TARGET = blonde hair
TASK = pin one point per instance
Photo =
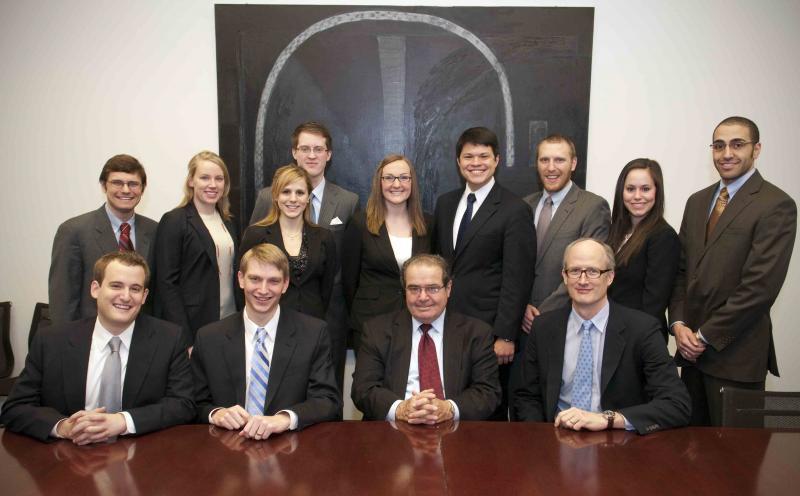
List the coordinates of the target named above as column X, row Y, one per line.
column 223, row 204
column 376, row 208
column 283, row 177
column 267, row 254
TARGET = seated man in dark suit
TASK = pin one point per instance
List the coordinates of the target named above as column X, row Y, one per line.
column 81, row 240
column 266, row 369
column 122, row 372
column 425, row 365
column 597, row 365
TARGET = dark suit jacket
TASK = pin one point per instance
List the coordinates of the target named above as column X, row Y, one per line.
column 370, row 275
column 726, row 286
column 79, row 242
column 493, row 267
column 580, row 214
column 645, row 282
column 470, row 366
column 637, row 379
column 187, row 280
column 311, row 292
column 157, row 391
column 300, row 376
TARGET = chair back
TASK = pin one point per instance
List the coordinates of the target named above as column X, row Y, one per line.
column 41, row 318
column 6, row 353
column 766, row 409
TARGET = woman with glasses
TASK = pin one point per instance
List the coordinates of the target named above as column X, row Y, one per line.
column 379, row 240
column 647, row 248
column 311, row 249
column 196, row 251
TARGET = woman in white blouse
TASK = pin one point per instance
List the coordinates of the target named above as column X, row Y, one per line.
column 196, row 250
column 378, row 241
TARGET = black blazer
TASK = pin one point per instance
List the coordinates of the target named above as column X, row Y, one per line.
column 637, row 378
column 370, row 275
column 157, row 392
column 300, row 376
column 471, row 377
column 494, row 265
column 187, row 279
column 646, row 282
column 310, row 293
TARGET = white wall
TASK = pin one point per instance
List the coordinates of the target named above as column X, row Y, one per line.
column 86, row 79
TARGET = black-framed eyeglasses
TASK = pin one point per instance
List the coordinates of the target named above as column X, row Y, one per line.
column 591, row 272
column 119, row 184
column 305, row 150
column 735, row 145
column 417, row 290
column 389, row 178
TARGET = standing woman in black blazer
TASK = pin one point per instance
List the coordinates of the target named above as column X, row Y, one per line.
column 379, row 240
column 196, row 250
column 311, row 249
column 648, row 249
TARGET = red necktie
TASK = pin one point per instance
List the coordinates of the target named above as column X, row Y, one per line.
column 429, row 377
column 125, row 237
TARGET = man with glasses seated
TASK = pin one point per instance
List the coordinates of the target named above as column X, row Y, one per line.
column 82, row 240
column 596, row 365
column 425, row 364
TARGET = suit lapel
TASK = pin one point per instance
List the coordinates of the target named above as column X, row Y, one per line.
column 453, row 343
column 197, row 224
column 447, row 219
column 401, row 352
column 385, row 251
column 285, row 343
column 330, row 199
column 562, row 214
column 143, row 347
column 479, row 218
column 555, row 354
column 76, row 364
column 104, row 233
column 234, row 354
column 612, row 349
column 142, row 246
column 737, row 205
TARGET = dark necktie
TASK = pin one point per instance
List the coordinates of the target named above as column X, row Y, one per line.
column 429, row 377
column 462, row 228
column 544, row 222
column 125, row 237
column 111, row 379
column 719, row 206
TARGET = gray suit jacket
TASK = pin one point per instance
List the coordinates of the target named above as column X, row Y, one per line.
column 726, row 286
column 79, row 242
column 581, row 214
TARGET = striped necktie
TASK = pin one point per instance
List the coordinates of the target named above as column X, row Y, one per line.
column 259, row 375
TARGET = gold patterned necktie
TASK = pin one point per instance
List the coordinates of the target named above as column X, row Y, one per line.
column 719, row 207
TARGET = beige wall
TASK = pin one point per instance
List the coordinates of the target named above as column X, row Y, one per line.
column 84, row 80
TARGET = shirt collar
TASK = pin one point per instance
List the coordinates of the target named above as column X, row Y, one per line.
column 101, row 336
column 437, row 325
column 116, row 222
column 737, row 183
column 317, row 192
column 481, row 193
column 251, row 327
column 559, row 195
column 600, row 319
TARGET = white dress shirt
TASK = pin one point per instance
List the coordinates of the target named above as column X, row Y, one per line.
column 480, row 195
column 402, row 248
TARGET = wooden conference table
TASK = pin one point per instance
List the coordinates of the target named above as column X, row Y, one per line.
column 355, row 458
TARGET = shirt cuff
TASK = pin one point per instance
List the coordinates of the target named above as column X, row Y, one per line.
column 628, row 425
column 700, row 335
column 130, row 427
column 292, row 419
column 211, row 414
column 391, row 415
column 455, row 409
column 670, row 330
column 54, row 430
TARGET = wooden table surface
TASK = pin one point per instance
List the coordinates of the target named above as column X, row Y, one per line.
column 380, row 458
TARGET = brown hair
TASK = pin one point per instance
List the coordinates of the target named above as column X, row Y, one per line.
column 755, row 136
column 128, row 258
column 557, row 138
column 312, row 127
column 267, row 254
column 223, row 204
column 283, row 177
column 123, row 163
column 376, row 206
column 429, row 260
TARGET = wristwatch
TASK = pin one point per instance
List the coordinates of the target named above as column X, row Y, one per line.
column 609, row 415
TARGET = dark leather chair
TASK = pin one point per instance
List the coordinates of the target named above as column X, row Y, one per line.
column 41, row 318
column 6, row 353
column 765, row 409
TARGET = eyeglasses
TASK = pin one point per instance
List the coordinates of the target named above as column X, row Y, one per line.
column 118, row 184
column 389, row 178
column 735, row 145
column 306, row 150
column 417, row 290
column 591, row 272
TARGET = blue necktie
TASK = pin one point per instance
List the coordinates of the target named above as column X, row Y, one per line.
column 582, row 381
column 462, row 228
column 259, row 375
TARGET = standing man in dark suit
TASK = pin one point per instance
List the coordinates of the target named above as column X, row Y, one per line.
column 425, row 365
column 485, row 233
column 597, row 365
column 331, row 207
column 737, row 238
column 266, row 369
column 80, row 241
column 122, row 372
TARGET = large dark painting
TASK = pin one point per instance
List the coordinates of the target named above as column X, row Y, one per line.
column 398, row 80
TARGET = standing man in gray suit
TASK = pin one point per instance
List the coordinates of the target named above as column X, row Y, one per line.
column 82, row 240
column 737, row 236
column 563, row 212
column 331, row 208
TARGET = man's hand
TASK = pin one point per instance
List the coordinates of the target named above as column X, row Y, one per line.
column 577, row 419
column 65, row 427
column 412, row 409
column 531, row 312
column 261, row 427
column 97, row 427
column 504, row 351
column 689, row 345
column 232, row 418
